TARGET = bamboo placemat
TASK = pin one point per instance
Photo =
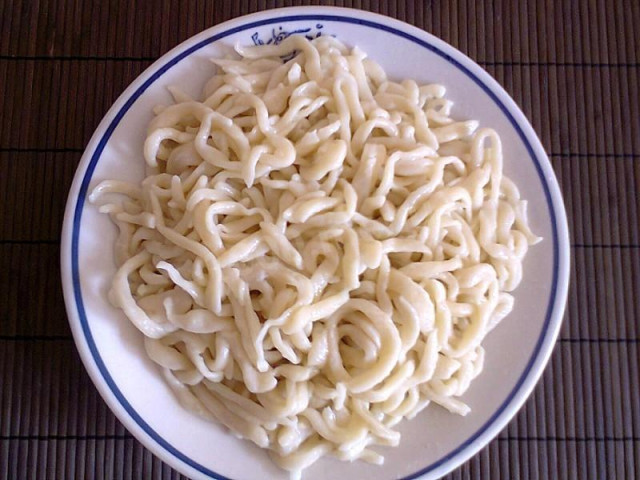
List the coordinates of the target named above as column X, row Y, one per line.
column 573, row 66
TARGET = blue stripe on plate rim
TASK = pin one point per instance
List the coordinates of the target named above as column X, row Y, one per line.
column 77, row 216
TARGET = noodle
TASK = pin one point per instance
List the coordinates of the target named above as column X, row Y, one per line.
column 317, row 252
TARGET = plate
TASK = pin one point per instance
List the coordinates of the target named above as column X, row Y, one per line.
column 112, row 350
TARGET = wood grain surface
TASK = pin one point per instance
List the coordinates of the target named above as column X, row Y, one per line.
column 573, row 67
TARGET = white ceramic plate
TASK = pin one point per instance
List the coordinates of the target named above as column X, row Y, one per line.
column 111, row 348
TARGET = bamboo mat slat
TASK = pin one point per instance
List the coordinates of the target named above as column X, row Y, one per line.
column 573, row 67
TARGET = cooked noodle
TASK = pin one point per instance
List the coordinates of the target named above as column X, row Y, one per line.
column 317, row 252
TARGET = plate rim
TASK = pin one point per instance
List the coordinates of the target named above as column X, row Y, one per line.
column 76, row 201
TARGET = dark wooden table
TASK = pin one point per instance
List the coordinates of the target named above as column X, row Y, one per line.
column 573, row 66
